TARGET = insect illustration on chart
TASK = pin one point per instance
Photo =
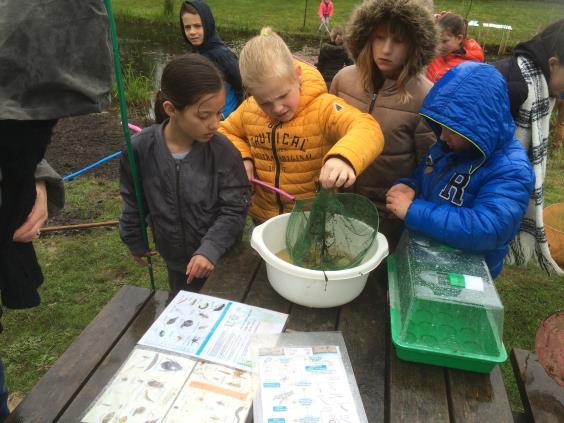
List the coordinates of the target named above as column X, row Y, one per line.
column 187, row 323
column 281, row 398
column 139, row 410
column 153, row 361
column 155, row 384
column 171, row 365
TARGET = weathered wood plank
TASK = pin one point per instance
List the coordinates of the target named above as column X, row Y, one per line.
column 307, row 319
column 363, row 324
column 417, row 392
column 542, row 397
column 116, row 357
column 263, row 295
column 235, row 271
column 477, row 397
column 56, row 389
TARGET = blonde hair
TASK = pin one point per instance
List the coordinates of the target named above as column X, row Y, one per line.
column 263, row 57
column 369, row 72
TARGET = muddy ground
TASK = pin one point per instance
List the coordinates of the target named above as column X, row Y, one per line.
column 80, row 141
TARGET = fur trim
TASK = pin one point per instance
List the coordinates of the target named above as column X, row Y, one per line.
column 413, row 13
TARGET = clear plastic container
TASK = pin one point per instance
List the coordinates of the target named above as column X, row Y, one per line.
column 444, row 306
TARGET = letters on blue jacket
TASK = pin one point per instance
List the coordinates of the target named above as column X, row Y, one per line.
column 471, row 201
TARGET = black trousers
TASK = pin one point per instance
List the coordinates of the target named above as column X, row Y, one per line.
column 177, row 282
column 22, row 146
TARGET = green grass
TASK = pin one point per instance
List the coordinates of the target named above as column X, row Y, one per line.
column 287, row 16
column 82, row 272
column 139, row 89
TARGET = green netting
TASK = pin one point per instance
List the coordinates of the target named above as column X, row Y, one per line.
column 332, row 231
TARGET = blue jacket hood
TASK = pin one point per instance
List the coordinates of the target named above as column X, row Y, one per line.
column 471, row 100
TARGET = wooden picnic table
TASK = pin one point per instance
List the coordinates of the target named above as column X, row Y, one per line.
column 391, row 390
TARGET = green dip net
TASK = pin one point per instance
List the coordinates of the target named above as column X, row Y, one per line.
column 332, row 231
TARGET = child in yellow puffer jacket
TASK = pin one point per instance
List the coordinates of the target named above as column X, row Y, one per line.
column 291, row 132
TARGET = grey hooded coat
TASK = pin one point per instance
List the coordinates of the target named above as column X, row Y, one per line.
column 55, row 58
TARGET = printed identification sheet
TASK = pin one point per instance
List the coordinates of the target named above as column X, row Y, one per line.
column 143, row 389
column 211, row 328
column 214, row 394
column 160, row 387
column 304, row 384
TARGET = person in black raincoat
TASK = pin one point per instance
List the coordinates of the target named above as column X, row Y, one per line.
column 55, row 61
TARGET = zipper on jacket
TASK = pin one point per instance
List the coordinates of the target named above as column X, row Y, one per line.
column 177, row 166
column 372, row 102
column 277, row 161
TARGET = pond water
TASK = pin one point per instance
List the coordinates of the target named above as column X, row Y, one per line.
column 147, row 47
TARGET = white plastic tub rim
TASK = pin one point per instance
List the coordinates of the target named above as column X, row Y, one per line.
column 312, row 288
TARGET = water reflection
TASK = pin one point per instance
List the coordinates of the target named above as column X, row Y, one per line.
column 147, row 47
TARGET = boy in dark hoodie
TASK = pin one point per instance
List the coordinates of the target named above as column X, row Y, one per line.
column 535, row 78
column 472, row 189
column 197, row 26
column 333, row 56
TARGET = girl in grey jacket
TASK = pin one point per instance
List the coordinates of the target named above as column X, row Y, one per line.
column 194, row 185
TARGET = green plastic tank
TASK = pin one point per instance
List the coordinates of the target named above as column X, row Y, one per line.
column 444, row 306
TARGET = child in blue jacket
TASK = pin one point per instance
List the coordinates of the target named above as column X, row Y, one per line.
column 472, row 189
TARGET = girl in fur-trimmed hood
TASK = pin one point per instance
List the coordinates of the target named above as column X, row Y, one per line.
column 391, row 42
column 408, row 20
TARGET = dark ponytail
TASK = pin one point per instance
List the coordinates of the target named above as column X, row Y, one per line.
column 185, row 80
column 552, row 38
column 453, row 23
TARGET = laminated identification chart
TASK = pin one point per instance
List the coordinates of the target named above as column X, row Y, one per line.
column 155, row 386
column 143, row 389
column 213, row 393
column 304, row 384
column 211, row 328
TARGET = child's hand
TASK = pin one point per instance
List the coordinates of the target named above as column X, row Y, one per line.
column 406, row 189
column 141, row 259
column 398, row 203
column 30, row 229
column 336, row 173
column 249, row 168
column 199, row 267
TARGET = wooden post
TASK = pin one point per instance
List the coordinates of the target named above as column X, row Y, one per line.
column 305, row 14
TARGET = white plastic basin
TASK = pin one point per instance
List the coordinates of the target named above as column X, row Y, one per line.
column 310, row 287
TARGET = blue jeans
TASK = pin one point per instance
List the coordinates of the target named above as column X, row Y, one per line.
column 3, row 396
